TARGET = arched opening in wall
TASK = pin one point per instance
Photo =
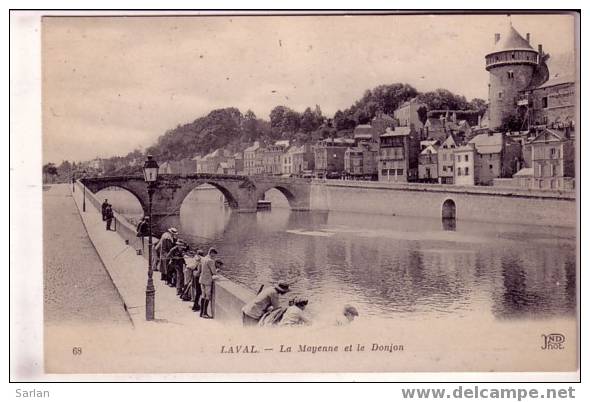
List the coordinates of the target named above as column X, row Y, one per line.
column 276, row 197
column 123, row 201
column 449, row 215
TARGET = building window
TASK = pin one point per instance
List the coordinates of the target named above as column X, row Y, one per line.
column 400, row 172
column 444, row 168
column 552, row 151
column 544, row 102
column 500, row 95
column 491, row 167
column 510, row 74
column 451, row 169
column 513, row 55
column 458, row 171
column 466, row 171
column 458, row 158
column 466, row 158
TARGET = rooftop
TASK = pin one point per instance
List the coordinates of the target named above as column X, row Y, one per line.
column 488, row 143
column 558, row 80
column 399, row 131
column 430, row 149
column 524, row 172
column 511, row 40
column 252, row 148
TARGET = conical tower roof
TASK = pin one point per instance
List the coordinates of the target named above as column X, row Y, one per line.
column 511, row 40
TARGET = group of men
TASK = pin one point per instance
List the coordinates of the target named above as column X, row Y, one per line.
column 265, row 309
column 191, row 273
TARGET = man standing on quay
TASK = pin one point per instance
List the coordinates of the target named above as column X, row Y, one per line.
column 163, row 247
column 208, row 275
column 104, row 206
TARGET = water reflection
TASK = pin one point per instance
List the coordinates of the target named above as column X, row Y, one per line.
column 391, row 266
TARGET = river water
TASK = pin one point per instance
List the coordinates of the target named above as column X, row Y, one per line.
column 387, row 266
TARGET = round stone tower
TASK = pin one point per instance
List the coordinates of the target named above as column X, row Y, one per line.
column 512, row 64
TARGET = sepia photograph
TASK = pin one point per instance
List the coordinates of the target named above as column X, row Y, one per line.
column 291, row 192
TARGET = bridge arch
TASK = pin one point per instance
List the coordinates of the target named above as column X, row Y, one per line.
column 288, row 193
column 188, row 188
column 96, row 187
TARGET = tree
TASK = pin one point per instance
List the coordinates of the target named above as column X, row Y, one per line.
column 49, row 172
column 249, row 126
column 443, row 99
column 284, row 120
column 342, row 121
column 422, row 114
column 478, row 104
column 308, row 121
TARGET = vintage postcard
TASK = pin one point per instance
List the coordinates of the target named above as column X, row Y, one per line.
column 337, row 193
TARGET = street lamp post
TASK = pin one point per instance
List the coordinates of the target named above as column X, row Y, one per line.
column 73, row 181
column 84, row 191
column 150, row 174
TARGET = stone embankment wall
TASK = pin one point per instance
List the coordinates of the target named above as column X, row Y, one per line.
column 472, row 203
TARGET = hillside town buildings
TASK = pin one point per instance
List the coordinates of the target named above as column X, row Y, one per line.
column 428, row 164
column 446, row 160
column 398, row 155
column 450, row 147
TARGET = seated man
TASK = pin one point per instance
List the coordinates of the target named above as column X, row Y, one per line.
column 294, row 314
column 267, row 299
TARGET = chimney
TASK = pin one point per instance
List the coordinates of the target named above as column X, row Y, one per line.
column 496, row 38
column 528, row 37
column 540, row 51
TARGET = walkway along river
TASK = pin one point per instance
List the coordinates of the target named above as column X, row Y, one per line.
column 388, row 266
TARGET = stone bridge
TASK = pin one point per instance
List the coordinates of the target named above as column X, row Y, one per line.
column 241, row 192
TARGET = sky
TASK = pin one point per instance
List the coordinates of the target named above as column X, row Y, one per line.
column 114, row 84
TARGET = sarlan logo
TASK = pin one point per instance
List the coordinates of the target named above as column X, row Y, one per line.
column 553, row 342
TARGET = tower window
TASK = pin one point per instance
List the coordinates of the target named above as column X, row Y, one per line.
column 513, row 55
column 510, row 74
column 544, row 102
column 500, row 95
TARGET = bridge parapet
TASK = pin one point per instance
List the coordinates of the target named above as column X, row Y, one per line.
column 241, row 192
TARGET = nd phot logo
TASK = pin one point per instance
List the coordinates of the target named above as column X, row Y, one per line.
column 553, row 341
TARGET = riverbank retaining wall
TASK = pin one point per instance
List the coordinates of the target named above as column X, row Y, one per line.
column 471, row 203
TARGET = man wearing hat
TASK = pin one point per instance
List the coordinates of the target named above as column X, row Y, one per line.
column 267, row 299
column 163, row 247
column 208, row 274
column 176, row 265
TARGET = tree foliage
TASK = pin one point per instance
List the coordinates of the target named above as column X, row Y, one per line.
column 231, row 129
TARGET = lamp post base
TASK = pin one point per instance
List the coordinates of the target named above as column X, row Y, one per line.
column 150, row 301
